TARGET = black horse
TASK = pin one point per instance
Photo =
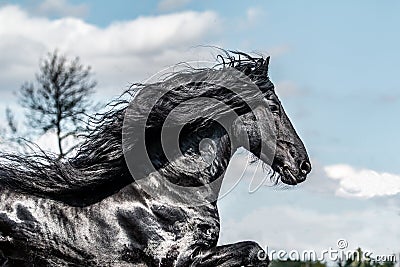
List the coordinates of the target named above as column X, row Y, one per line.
column 135, row 196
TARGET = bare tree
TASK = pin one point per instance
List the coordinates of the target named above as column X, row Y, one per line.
column 60, row 98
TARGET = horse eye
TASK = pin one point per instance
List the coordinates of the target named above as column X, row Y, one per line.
column 274, row 108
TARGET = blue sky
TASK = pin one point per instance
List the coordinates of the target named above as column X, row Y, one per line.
column 335, row 66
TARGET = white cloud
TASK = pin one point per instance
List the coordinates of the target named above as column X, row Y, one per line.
column 363, row 183
column 168, row 5
column 120, row 54
column 61, row 8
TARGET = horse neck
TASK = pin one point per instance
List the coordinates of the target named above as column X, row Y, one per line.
column 205, row 154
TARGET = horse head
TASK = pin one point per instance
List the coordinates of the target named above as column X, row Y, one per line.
column 272, row 137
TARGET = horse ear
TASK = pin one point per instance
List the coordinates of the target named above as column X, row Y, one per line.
column 264, row 67
column 267, row 61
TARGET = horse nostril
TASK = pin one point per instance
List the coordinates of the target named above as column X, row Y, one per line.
column 305, row 167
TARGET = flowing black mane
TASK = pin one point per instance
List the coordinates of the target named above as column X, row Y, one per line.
column 99, row 168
